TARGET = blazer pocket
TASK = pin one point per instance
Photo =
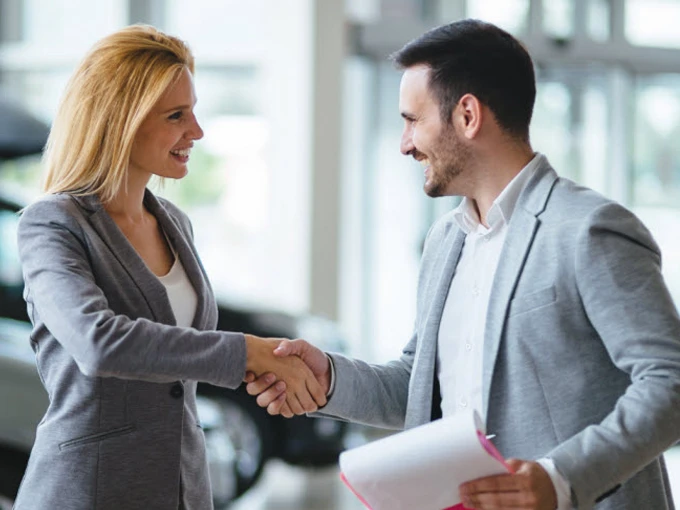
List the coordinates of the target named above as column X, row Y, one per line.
column 527, row 302
column 95, row 438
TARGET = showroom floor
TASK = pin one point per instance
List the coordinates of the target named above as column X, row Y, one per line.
column 283, row 487
column 286, row 488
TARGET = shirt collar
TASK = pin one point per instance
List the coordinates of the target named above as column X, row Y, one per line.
column 502, row 208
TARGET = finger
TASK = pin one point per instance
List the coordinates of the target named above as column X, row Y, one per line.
column 278, row 405
column 260, row 384
column 306, row 400
column 498, row 501
column 316, row 392
column 250, row 377
column 271, row 394
column 294, row 403
column 285, row 410
column 496, row 483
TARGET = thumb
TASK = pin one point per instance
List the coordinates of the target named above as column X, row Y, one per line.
column 514, row 464
column 285, row 348
column 290, row 348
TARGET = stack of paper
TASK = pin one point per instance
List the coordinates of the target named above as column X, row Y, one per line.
column 423, row 467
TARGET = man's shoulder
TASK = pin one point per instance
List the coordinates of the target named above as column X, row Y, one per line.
column 571, row 200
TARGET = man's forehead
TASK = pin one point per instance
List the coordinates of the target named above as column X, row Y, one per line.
column 416, row 75
column 414, row 86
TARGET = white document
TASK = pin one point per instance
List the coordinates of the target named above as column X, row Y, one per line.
column 422, row 468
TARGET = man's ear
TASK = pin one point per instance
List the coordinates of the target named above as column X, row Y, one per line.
column 468, row 116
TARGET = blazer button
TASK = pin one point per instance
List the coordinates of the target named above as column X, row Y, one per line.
column 177, row 391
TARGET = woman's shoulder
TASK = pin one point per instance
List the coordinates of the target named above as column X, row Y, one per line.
column 51, row 207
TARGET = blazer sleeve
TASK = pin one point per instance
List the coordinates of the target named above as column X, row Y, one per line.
column 371, row 394
column 618, row 268
column 64, row 297
column 377, row 394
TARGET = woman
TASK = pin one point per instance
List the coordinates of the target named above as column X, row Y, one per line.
column 123, row 314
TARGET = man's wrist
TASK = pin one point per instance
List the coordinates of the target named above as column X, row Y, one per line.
column 560, row 484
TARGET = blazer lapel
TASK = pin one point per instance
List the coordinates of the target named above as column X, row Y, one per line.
column 187, row 256
column 425, row 362
column 149, row 285
column 521, row 232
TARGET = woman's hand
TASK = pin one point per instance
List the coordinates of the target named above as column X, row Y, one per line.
column 303, row 392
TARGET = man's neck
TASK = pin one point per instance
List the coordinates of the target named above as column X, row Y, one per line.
column 495, row 173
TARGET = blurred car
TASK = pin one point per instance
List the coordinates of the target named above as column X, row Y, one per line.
column 240, row 436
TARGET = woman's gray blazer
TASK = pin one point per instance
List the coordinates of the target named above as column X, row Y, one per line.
column 121, row 431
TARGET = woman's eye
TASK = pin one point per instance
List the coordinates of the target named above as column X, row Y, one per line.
column 175, row 116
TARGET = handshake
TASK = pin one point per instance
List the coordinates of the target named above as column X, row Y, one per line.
column 289, row 377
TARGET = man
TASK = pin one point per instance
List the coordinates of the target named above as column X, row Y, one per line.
column 540, row 303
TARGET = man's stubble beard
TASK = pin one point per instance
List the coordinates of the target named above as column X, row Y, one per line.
column 452, row 162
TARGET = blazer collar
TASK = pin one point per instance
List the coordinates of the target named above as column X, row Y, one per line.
column 521, row 233
column 149, row 285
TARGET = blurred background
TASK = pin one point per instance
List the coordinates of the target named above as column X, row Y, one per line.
column 301, row 202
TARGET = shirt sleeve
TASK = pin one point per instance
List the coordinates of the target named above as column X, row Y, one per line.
column 561, row 485
column 331, row 386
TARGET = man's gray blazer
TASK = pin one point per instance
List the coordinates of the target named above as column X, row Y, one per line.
column 121, row 431
column 581, row 353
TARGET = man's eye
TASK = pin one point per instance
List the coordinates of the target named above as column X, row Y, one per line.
column 175, row 116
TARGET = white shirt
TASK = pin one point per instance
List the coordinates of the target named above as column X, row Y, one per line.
column 460, row 344
column 181, row 293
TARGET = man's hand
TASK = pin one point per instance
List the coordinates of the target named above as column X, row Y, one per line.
column 302, row 392
column 530, row 487
column 271, row 394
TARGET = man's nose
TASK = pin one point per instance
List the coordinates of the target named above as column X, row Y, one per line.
column 406, row 146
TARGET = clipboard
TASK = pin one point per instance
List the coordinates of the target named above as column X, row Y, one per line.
column 422, row 467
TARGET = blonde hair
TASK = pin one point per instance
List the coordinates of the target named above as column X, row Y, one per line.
column 110, row 94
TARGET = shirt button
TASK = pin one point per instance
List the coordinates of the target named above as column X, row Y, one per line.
column 468, row 347
column 463, row 402
column 177, row 390
column 475, row 291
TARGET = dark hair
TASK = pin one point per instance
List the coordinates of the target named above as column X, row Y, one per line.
column 471, row 56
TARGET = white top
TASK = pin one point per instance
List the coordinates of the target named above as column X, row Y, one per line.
column 461, row 331
column 460, row 345
column 181, row 294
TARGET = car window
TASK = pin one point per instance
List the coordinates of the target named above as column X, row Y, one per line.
column 12, row 304
column 10, row 269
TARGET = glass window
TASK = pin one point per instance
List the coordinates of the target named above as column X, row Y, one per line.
column 593, row 135
column 247, row 191
column 398, row 219
column 571, row 124
column 59, row 27
column 656, row 167
column 598, row 21
column 510, row 15
column 551, row 123
column 558, row 18
column 653, row 22
column 247, row 188
column 37, row 89
column 10, row 269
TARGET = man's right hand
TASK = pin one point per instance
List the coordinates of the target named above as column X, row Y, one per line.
column 271, row 394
